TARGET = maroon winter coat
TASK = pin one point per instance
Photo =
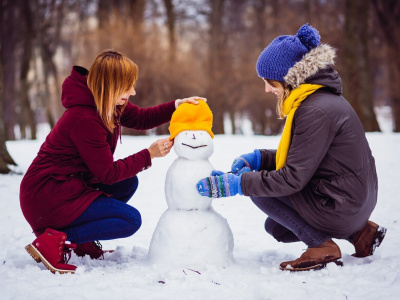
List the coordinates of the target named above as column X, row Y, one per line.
column 79, row 150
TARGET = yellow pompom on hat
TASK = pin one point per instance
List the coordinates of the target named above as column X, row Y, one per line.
column 191, row 117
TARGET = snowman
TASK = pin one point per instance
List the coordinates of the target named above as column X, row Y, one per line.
column 190, row 233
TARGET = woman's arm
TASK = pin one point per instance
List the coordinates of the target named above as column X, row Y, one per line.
column 90, row 138
column 146, row 118
column 268, row 159
column 311, row 139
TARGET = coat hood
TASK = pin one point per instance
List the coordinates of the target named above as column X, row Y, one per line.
column 75, row 91
column 316, row 67
column 329, row 78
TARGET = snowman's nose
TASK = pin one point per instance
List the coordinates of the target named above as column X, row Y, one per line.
column 194, row 137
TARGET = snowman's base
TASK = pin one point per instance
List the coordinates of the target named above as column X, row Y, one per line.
column 192, row 239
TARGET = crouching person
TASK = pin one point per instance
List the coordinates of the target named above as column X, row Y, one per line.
column 74, row 189
column 321, row 182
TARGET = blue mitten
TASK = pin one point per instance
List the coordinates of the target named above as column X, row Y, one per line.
column 224, row 185
column 217, row 173
column 247, row 162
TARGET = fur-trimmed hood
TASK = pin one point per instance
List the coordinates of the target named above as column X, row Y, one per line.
column 313, row 63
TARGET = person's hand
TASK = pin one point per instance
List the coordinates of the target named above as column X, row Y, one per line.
column 247, row 162
column 160, row 147
column 224, row 185
column 192, row 100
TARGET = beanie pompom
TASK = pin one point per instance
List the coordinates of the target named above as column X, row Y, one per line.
column 308, row 36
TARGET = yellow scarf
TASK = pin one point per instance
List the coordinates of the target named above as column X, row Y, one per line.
column 291, row 103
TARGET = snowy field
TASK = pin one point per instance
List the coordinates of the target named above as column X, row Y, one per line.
column 126, row 274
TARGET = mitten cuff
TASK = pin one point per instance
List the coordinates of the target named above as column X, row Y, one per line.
column 239, row 185
column 258, row 160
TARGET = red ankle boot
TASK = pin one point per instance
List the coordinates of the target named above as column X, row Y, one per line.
column 50, row 249
column 93, row 249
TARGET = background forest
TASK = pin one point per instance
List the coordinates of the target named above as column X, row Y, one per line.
column 183, row 48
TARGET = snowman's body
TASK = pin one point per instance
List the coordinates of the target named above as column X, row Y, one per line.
column 181, row 194
column 190, row 233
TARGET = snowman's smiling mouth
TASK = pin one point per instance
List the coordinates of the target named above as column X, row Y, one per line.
column 194, row 147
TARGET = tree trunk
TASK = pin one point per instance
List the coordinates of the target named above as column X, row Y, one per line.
column 27, row 116
column 47, row 93
column 136, row 13
column 388, row 14
column 8, row 56
column 358, row 79
column 217, row 58
column 169, row 6
column 103, row 15
column 5, row 158
column 393, row 85
column 49, row 20
column 308, row 10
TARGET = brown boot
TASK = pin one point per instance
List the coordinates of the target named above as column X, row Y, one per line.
column 315, row 258
column 367, row 239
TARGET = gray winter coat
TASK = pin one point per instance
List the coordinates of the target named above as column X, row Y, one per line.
column 330, row 172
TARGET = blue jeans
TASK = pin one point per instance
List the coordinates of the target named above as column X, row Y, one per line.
column 107, row 218
column 285, row 224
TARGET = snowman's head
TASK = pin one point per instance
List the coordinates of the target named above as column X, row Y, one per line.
column 194, row 144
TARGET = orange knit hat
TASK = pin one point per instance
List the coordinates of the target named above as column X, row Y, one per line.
column 191, row 117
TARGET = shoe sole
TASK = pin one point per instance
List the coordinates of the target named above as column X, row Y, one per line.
column 378, row 238
column 38, row 257
column 320, row 266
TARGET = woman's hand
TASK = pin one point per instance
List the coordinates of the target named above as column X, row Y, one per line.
column 247, row 162
column 160, row 148
column 192, row 100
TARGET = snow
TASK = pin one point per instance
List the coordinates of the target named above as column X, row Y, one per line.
column 126, row 273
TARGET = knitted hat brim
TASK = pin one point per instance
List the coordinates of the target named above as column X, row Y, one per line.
column 192, row 128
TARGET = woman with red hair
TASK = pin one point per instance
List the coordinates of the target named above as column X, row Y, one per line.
column 74, row 189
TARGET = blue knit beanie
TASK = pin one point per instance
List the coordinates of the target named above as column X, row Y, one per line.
column 284, row 51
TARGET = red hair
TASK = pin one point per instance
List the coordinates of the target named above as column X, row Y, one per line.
column 111, row 75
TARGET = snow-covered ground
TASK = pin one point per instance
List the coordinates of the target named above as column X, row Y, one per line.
column 126, row 274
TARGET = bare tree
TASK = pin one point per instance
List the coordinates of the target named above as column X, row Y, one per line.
column 217, row 63
column 8, row 38
column 357, row 75
column 388, row 14
column 136, row 10
column 171, row 20
column 104, row 10
column 206, row 48
column 262, row 106
column 27, row 115
column 5, row 158
column 49, row 19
